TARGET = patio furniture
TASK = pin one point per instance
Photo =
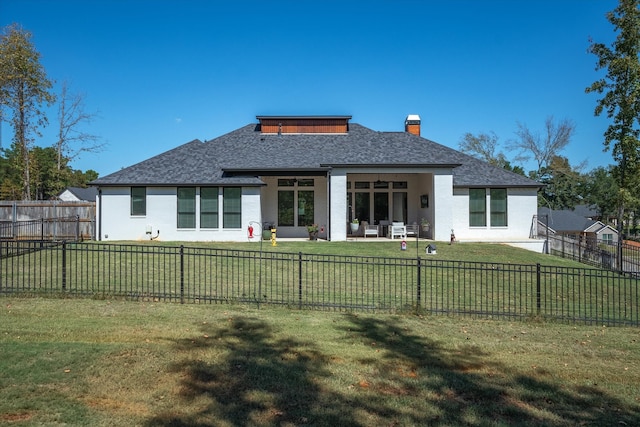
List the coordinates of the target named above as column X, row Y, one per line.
column 370, row 229
column 398, row 229
column 413, row 229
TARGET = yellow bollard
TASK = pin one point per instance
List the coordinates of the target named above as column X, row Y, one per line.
column 273, row 237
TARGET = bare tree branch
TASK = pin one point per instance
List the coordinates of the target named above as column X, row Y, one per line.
column 72, row 140
column 542, row 148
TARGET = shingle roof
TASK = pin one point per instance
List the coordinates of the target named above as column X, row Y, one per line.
column 246, row 151
column 564, row 220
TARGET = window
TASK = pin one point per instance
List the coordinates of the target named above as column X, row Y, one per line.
column 308, row 182
column 186, row 207
column 305, row 208
column 498, row 207
column 362, row 206
column 138, row 201
column 209, row 207
column 289, row 199
column 285, row 208
column 607, row 238
column 477, row 207
column 232, row 207
column 288, row 182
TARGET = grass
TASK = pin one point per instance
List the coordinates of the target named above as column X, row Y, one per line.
column 90, row 362
column 473, row 252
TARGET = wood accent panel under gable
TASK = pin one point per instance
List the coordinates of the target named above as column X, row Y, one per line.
column 304, row 125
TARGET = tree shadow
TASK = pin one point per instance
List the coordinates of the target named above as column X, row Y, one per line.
column 261, row 380
column 467, row 388
column 258, row 376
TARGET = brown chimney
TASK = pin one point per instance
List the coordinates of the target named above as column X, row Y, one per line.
column 412, row 124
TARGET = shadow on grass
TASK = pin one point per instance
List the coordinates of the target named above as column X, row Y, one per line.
column 260, row 378
column 467, row 388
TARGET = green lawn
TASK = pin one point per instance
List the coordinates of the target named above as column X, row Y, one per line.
column 112, row 362
column 480, row 252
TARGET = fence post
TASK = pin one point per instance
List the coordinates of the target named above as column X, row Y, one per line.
column 181, row 274
column 299, row 280
column 419, row 284
column 64, row 265
column 77, row 228
column 538, row 287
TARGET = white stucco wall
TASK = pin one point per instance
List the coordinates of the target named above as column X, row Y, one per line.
column 444, row 209
column 116, row 223
column 522, row 205
column 338, row 207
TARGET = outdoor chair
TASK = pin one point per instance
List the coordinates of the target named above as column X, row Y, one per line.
column 413, row 229
column 398, row 229
column 370, row 229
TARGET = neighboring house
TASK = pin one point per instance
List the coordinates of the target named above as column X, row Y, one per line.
column 79, row 194
column 574, row 224
column 293, row 171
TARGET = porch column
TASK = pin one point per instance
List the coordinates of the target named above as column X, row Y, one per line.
column 338, row 205
column 443, row 205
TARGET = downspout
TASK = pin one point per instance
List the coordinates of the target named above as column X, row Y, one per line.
column 99, row 237
column 328, row 230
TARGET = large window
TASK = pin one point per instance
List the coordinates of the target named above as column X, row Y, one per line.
column 362, row 206
column 138, row 201
column 305, row 208
column 232, row 207
column 209, row 207
column 498, row 207
column 295, row 206
column 285, row 208
column 186, row 207
column 477, row 207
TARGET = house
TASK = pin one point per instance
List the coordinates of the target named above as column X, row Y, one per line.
column 574, row 224
column 78, row 194
column 293, row 171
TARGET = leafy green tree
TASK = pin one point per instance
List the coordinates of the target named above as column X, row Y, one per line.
column 46, row 180
column 564, row 185
column 620, row 88
column 24, row 90
column 602, row 191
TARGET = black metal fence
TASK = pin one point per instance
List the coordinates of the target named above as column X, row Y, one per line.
column 327, row 282
column 618, row 256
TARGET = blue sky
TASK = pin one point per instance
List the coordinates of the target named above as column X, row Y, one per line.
column 164, row 72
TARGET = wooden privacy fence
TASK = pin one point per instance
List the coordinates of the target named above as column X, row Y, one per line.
column 47, row 220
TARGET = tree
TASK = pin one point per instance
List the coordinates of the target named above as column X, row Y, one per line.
column 72, row 141
column 543, row 148
column 24, row 89
column 564, row 185
column 483, row 146
column 601, row 191
column 621, row 99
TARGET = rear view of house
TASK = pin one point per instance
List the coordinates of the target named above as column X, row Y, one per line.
column 294, row 171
